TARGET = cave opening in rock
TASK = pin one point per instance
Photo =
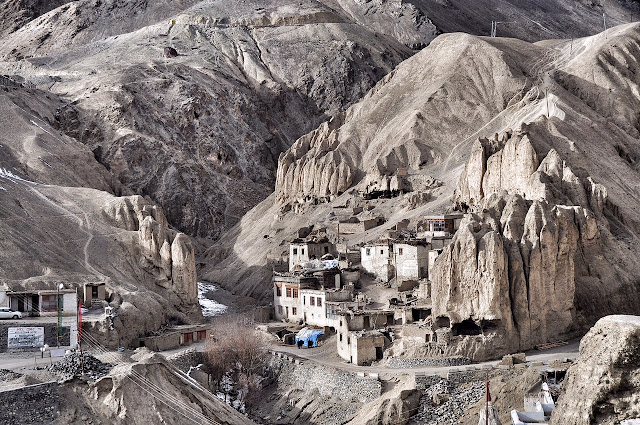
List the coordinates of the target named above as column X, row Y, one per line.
column 489, row 326
column 466, row 327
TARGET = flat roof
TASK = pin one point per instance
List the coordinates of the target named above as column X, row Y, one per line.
column 443, row 216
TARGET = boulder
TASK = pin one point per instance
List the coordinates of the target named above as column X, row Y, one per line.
column 603, row 385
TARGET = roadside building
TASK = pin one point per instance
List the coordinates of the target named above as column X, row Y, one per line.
column 376, row 258
column 43, row 302
column 94, row 294
column 31, row 332
column 176, row 336
column 361, row 337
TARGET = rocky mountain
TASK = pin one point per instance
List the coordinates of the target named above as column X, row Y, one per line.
column 133, row 121
column 247, row 82
column 537, row 143
column 200, row 132
column 61, row 222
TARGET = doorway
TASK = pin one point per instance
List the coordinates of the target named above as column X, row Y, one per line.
column 379, row 353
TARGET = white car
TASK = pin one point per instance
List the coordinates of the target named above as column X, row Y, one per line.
column 7, row 313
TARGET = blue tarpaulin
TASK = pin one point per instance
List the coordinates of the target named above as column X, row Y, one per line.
column 309, row 337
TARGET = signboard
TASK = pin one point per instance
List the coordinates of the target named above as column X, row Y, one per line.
column 26, row 337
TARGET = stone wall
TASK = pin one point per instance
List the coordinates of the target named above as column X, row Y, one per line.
column 34, row 404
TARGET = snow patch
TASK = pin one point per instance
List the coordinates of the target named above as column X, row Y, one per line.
column 6, row 174
column 209, row 307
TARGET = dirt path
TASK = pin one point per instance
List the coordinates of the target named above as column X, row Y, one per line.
column 326, row 355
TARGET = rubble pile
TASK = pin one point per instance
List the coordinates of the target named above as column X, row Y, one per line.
column 444, row 401
column 71, row 366
column 8, row 375
column 406, row 363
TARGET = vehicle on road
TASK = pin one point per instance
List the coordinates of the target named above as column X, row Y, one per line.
column 7, row 313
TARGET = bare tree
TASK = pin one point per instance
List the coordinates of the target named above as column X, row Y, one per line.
column 236, row 351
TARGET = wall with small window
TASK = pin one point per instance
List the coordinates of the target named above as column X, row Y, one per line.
column 377, row 260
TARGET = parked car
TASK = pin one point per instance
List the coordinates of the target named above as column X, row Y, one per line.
column 7, row 313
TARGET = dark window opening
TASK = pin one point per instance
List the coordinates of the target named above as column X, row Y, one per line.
column 443, row 322
column 326, row 249
column 420, row 313
column 295, row 251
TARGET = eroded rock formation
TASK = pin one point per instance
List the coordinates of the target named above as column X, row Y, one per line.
column 167, row 255
column 534, row 243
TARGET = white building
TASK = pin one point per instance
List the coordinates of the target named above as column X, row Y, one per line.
column 411, row 260
column 310, row 300
column 303, row 252
column 377, row 259
column 359, row 340
column 316, row 304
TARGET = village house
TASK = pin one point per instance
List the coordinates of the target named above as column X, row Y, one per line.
column 376, row 259
column 301, row 252
column 439, row 225
column 302, row 297
column 315, row 304
column 411, row 260
column 361, row 336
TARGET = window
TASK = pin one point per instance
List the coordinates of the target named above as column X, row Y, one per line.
column 294, row 310
column 326, row 249
column 49, row 303
column 302, row 251
column 340, row 337
column 348, row 340
column 289, row 292
column 381, row 251
column 399, row 251
column 295, row 251
column 368, row 251
column 304, row 300
column 319, row 301
column 295, row 293
column 439, row 225
column 278, row 291
column 312, row 300
column 279, row 309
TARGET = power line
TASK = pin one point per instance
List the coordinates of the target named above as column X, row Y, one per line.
column 150, row 388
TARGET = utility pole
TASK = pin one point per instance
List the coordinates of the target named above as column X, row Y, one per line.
column 79, row 323
column 58, row 287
